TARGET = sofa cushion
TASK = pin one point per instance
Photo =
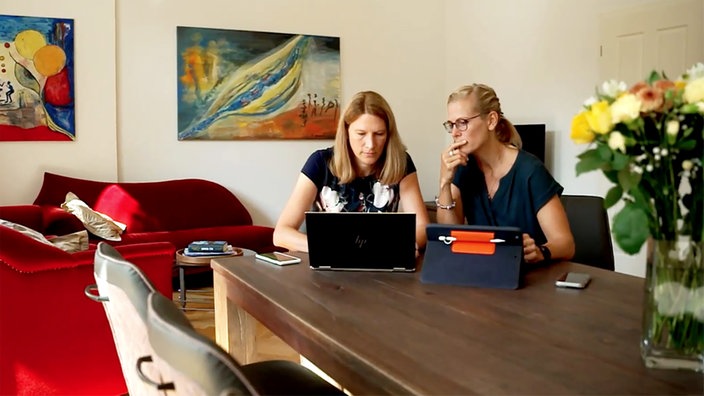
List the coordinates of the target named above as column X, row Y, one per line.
column 95, row 222
column 73, row 242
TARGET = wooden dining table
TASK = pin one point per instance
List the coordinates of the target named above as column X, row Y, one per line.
column 388, row 333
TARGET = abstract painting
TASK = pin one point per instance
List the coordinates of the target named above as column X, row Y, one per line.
column 36, row 79
column 235, row 84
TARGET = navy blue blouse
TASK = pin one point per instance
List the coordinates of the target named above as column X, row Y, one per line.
column 364, row 194
column 521, row 193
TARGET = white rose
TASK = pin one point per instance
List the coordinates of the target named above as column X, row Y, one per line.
column 613, row 88
column 696, row 71
column 673, row 127
column 589, row 102
column 617, row 141
column 687, row 165
column 694, row 91
column 625, row 108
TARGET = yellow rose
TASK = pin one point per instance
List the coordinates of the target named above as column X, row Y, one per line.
column 599, row 117
column 581, row 133
column 694, row 91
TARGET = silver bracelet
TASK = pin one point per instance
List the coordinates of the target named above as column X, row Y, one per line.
column 446, row 207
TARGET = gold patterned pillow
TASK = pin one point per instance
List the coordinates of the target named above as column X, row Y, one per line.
column 96, row 223
column 71, row 243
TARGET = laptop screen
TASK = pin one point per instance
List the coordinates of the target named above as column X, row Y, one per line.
column 361, row 241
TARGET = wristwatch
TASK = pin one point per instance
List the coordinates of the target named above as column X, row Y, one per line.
column 547, row 255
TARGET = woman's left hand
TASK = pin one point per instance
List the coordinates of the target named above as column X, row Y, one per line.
column 531, row 252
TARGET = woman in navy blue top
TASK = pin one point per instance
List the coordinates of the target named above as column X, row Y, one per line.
column 486, row 179
column 367, row 170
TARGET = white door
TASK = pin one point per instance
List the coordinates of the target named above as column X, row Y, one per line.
column 667, row 36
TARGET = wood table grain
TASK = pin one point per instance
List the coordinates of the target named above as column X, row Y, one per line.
column 387, row 333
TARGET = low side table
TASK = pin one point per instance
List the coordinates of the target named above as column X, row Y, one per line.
column 183, row 261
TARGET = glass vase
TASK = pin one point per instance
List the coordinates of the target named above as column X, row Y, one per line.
column 673, row 310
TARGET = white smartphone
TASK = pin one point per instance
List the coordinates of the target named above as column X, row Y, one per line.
column 576, row 280
column 278, row 258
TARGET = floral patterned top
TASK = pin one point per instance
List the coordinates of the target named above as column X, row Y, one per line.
column 364, row 194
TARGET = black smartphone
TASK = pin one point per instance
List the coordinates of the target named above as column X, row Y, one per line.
column 576, row 280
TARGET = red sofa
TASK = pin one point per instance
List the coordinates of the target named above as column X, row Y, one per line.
column 53, row 339
column 176, row 211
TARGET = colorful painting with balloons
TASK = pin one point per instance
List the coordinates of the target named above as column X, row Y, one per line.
column 36, row 79
column 236, row 84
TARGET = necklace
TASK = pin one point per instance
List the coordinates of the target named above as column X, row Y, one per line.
column 492, row 188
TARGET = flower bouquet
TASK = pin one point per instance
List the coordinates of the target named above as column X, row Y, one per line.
column 648, row 140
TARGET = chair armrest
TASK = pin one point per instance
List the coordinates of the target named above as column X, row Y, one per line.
column 27, row 255
column 27, row 215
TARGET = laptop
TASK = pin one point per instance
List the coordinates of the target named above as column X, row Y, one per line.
column 468, row 255
column 356, row 241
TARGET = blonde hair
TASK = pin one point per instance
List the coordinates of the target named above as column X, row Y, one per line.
column 486, row 102
column 391, row 166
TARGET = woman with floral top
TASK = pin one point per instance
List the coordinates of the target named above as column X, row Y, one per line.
column 366, row 170
column 486, row 179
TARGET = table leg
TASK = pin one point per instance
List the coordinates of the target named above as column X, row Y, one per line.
column 235, row 329
column 182, row 285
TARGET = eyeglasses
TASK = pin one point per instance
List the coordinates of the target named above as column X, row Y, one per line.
column 461, row 123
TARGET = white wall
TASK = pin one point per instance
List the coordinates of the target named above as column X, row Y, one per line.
column 540, row 55
column 397, row 53
column 94, row 152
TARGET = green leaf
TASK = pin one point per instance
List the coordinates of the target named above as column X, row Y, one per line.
column 686, row 132
column 654, row 76
column 628, row 179
column 589, row 161
column 640, row 197
column 613, row 196
column 604, row 152
column 620, row 161
column 612, row 175
column 588, row 153
column 631, row 228
column 687, row 145
column 690, row 108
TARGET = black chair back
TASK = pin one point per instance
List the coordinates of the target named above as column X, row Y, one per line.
column 589, row 223
column 195, row 364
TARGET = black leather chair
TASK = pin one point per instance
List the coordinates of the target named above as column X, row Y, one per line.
column 589, row 223
column 195, row 365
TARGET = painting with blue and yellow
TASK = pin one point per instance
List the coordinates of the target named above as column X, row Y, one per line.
column 235, row 84
column 36, row 79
